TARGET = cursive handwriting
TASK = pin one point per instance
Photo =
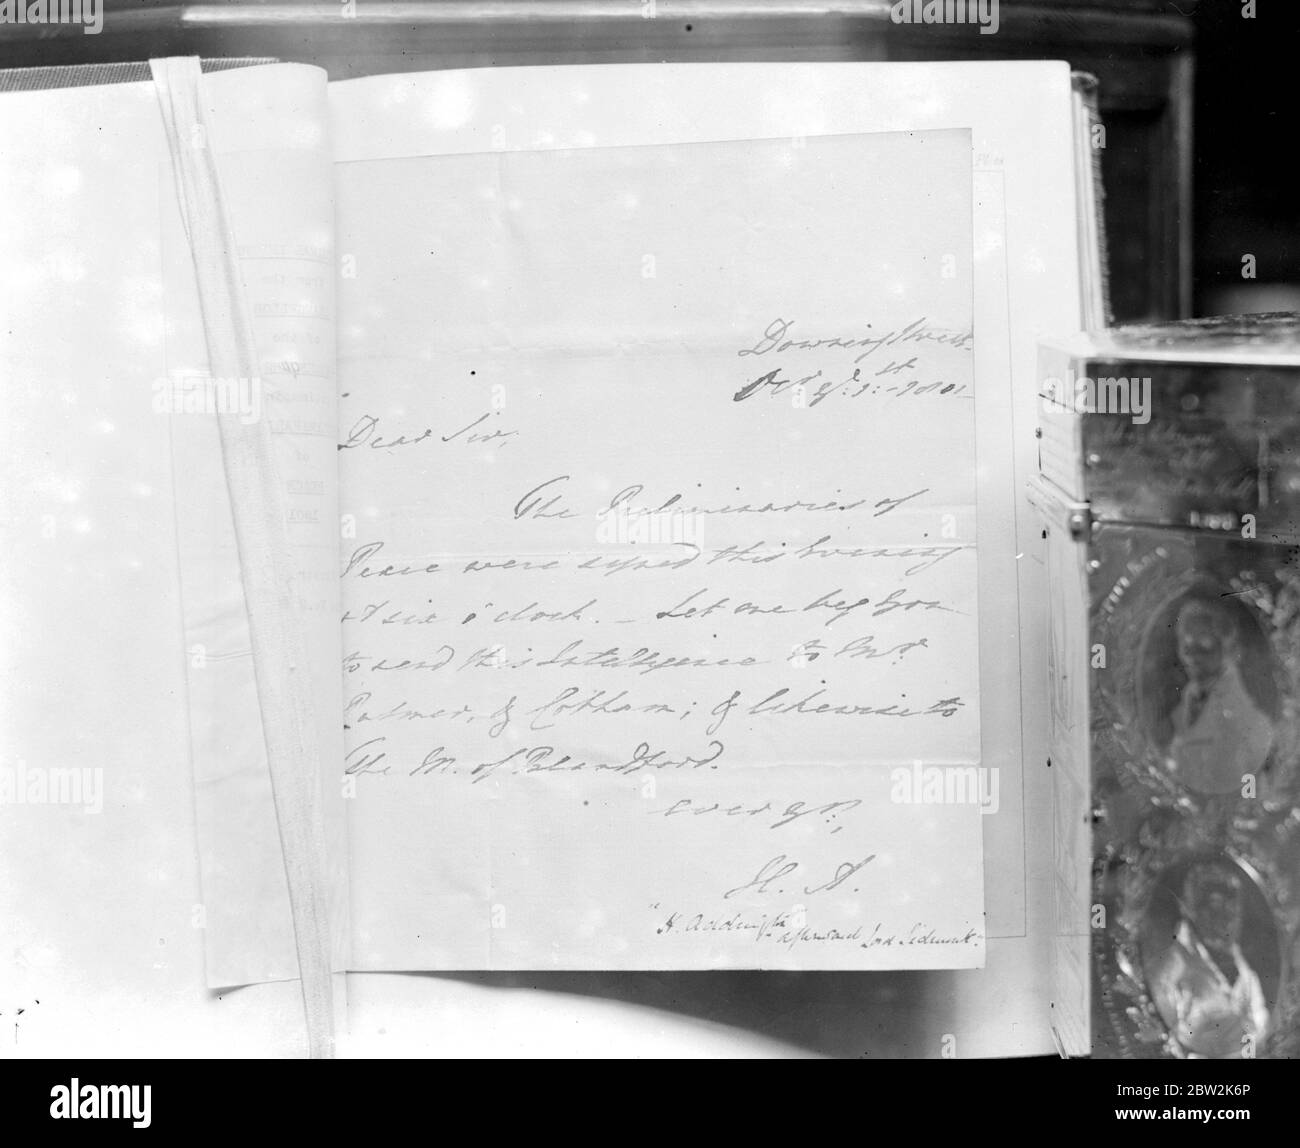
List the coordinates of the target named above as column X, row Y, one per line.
column 918, row 331
column 780, row 867
column 365, row 432
column 794, row 812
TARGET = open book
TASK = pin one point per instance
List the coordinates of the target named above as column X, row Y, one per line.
column 531, row 519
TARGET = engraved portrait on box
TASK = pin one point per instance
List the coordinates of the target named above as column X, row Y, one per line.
column 1207, row 696
column 1209, row 949
column 1193, row 775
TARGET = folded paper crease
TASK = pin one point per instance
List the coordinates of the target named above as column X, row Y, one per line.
column 266, row 567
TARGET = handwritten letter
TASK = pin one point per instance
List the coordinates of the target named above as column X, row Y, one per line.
column 658, row 571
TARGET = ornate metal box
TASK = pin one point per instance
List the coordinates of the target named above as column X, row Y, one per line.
column 1170, row 490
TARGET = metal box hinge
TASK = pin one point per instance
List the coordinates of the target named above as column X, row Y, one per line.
column 1060, row 512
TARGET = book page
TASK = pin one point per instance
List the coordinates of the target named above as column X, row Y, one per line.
column 659, row 574
column 281, row 209
column 1026, row 288
column 141, row 861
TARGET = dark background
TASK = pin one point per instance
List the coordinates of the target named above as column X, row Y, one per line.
column 1198, row 164
column 1247, row 135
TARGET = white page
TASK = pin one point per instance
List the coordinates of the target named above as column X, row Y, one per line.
column 650, row 650
column 1026, row 288
column 282, row 210
column 126, row 656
